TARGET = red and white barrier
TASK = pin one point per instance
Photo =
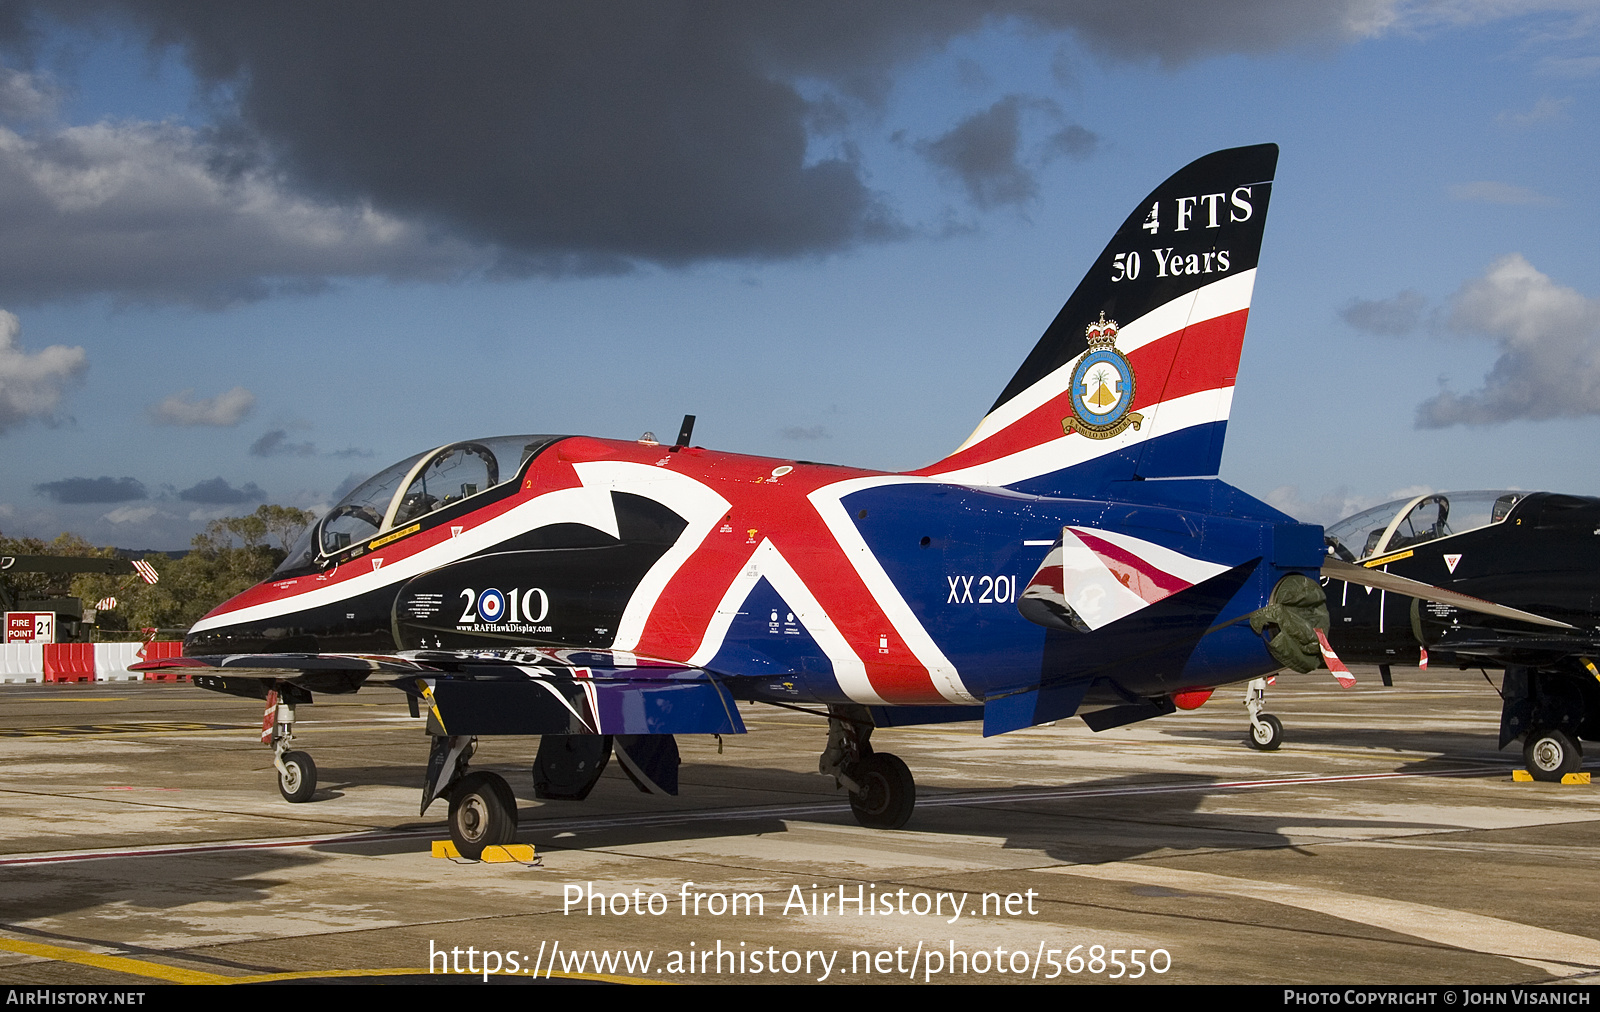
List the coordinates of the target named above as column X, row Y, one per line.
column 111, row 661
column 69, row 662
column 83, row 662
column 155, row 650
column 21, row 662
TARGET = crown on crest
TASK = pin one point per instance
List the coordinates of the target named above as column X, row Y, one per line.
column 1102, row 333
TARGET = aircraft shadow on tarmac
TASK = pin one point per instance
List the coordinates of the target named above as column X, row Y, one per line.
column 1467, row 747
column 1088, row 822
column 1091, row 821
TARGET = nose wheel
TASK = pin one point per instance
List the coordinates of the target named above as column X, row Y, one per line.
column 297, row 777
column 1265, row 732
column 297, row 774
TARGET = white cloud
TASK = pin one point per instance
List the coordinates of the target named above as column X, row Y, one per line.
column 222, row 410
column 1545, row 110
column 131, row 514
column 31, row 384
column 142, row 209
column 1549, row 336
column 25, row 97
column 1489, row 191
column 205, row 515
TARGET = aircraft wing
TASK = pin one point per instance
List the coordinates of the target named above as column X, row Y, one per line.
column 1337, row 569
column 479, row 692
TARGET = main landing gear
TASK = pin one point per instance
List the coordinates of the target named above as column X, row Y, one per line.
column 882, row 790
column 1551, row 755
column 1265, row 733
column 1549, row 709
column 483, row 813
column 483, row 809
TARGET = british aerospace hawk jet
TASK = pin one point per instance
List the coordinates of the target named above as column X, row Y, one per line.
column 611, row 594
column 1536, row 554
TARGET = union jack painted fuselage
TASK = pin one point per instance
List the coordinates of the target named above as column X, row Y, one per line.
column 1075, row 555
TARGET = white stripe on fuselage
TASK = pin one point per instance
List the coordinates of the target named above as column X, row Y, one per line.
column 590, row 507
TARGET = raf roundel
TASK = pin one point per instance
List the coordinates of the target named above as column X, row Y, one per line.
column 1102, row 386
column 491, row 605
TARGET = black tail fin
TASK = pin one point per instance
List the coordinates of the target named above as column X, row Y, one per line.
column 1134, row 378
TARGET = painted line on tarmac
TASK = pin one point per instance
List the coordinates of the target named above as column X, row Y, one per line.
column 120, row 964
column 803, row 810
column 178, row 975
column 121, row 727
column 1556, row 952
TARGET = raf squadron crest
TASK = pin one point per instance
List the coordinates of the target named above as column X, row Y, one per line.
column 1102, row 386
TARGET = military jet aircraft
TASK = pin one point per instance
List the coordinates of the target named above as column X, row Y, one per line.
column 1536, row 552
column 1075, row 556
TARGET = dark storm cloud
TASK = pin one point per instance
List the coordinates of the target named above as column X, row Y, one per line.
column 93, row 490
column 985, row 150
column 276, row 444
column 982, row 151
column 421, row 139
column 217, row 492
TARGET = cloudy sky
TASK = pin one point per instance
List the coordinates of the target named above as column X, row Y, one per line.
column 249, row 253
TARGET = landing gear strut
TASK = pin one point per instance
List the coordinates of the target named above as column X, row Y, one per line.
column 297, row 774
column 882, row 790
column 1266, row 731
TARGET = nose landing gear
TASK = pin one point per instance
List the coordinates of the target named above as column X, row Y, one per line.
column 297, row 774
column 1266, row 731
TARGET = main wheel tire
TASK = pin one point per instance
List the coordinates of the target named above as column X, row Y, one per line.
column 1265, row 733
column 483, row 813
column 1551, row 755
column 888, row 792
column 297, row 781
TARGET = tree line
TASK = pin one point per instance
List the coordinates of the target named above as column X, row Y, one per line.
column 232, row 555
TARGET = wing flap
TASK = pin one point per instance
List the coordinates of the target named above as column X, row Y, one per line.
column 497, row 692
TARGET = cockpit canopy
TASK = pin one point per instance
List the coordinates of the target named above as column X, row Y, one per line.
column 411, row 491
column 1406, row 522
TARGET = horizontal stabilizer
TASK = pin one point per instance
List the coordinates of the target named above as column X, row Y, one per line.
column 1337, row 569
